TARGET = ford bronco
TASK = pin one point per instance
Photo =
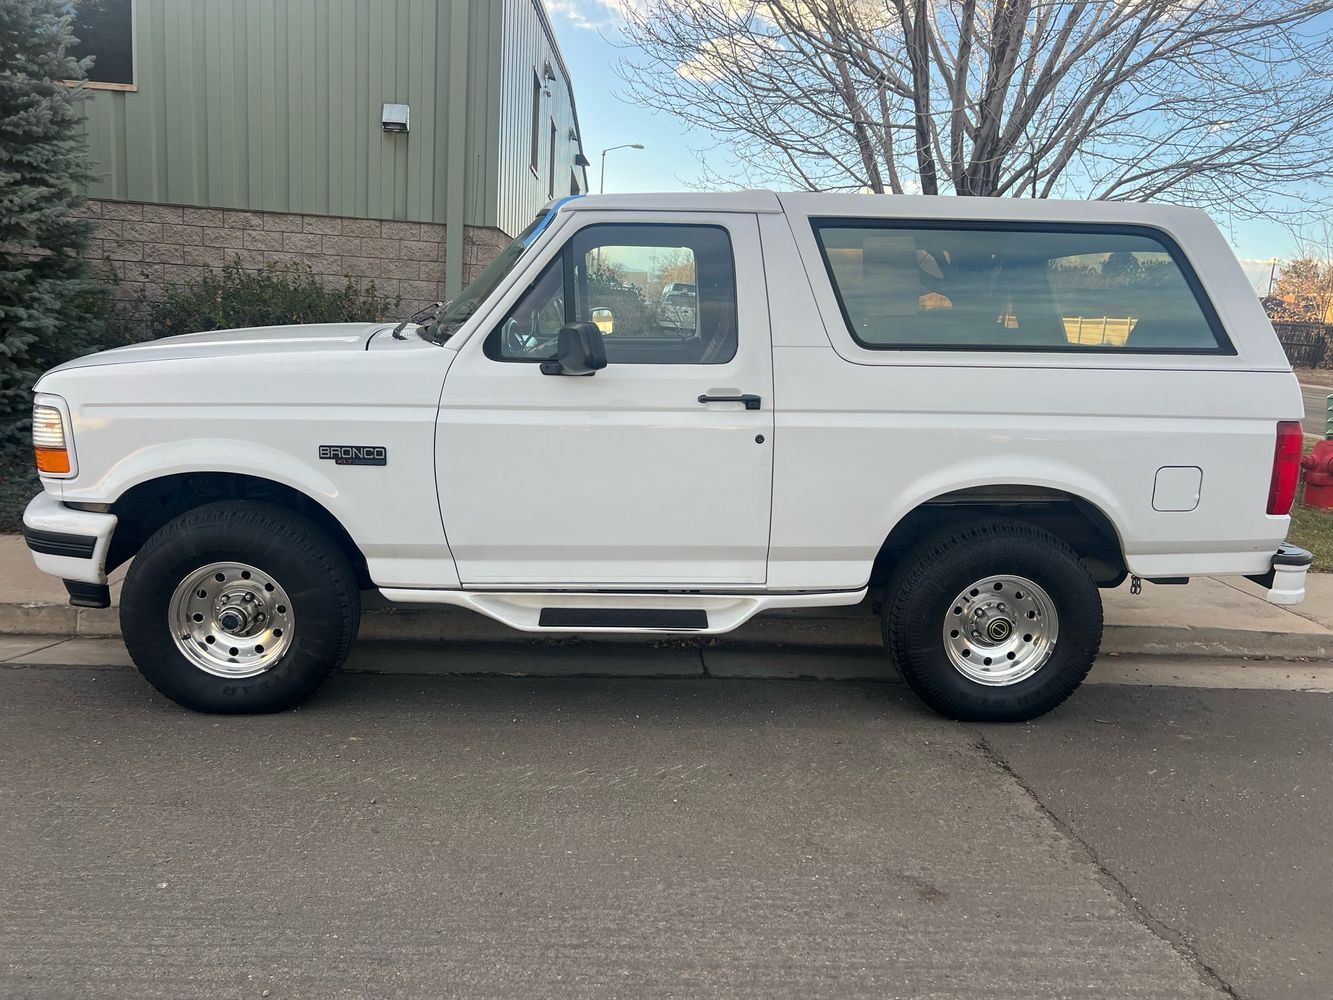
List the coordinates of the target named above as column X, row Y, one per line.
column 975, row 411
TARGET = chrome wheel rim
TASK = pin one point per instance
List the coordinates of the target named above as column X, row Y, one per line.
column 1000, row 630
column 231, row 620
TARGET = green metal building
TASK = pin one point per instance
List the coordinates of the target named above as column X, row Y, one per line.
column 346, row 134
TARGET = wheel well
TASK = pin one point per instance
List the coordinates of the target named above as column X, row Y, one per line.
column 145, row 508
column 1072, row 519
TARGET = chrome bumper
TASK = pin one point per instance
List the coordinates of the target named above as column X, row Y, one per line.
column 1285, row 578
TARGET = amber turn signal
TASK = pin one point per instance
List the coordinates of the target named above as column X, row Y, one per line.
column 52, row 460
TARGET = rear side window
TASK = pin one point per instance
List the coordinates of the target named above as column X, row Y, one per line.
column 1017, row 288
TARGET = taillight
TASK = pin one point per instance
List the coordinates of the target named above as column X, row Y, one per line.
column 1286, row 465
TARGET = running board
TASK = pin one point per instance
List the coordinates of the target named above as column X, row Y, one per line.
column 699, row 614
column 684, row 619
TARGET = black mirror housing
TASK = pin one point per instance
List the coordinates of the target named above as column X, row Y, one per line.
column 580, row 351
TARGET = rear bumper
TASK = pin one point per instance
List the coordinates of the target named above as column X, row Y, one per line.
column 66, row 543
column 1285, row 578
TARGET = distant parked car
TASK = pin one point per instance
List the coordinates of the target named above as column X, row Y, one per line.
column 675, row 287
column 977, row 411
column 680, row 303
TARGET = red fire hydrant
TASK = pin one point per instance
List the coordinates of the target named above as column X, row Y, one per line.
column 1317, row 472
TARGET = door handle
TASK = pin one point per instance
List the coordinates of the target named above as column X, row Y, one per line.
column 751, row 401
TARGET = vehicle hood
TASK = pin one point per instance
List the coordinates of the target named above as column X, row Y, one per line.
column 231, row 343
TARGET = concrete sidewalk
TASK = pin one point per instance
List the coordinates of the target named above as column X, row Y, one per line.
column 1211, row 617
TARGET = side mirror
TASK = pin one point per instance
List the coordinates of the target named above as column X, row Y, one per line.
column 580, row 351
column 604, row 319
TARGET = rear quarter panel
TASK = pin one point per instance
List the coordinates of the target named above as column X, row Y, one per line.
column 864, row 436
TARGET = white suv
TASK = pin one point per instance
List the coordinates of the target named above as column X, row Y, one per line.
column 977, row 411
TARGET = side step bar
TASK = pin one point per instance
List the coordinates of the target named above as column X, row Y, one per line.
column 620, row 611
column 685, row 619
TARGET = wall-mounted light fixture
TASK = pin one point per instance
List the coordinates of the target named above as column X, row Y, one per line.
column 395, row 117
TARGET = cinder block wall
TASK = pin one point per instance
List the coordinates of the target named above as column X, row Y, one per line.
column 150, row 246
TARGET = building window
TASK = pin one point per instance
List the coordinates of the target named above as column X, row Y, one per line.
column 536, row 120
column 550, row 164
column 105, row 31
column 574, row 183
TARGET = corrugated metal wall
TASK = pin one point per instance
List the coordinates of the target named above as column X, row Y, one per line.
column 527, row 50
column 274, row 105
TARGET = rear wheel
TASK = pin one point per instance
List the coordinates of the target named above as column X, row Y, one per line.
column 239, row 607
column 992, row 621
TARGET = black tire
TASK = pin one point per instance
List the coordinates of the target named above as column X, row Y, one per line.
column 326, row 604
column 922, row 595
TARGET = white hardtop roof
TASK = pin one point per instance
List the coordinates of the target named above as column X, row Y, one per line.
column 676, row 201
column 944, row 207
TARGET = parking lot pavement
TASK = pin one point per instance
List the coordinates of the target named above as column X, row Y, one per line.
column 516, row 837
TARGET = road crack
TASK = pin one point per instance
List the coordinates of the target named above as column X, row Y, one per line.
column 1173, row 937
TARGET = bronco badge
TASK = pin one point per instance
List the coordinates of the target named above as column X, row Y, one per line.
column 355, row 454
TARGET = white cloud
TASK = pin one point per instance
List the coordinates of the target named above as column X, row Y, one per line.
column 1258, row 270
column 719, row 57
column 592, row 14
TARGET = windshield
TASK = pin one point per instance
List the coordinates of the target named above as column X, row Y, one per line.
column 453, row 314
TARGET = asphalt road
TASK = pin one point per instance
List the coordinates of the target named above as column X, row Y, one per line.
column 1316, row 402
column 592, row 837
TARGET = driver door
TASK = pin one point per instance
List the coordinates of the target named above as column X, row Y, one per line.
column 634, row 477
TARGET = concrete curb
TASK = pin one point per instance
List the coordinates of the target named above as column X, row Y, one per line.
column 774, row 632
column 630, row 661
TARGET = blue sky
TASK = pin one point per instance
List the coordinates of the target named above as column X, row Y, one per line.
column 586, row 30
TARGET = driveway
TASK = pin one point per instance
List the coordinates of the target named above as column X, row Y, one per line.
column 594, row 837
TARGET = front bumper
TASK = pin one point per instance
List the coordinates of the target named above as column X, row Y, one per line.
column 69, row 544
column 1285, row 578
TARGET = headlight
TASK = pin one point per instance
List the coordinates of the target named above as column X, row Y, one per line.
column 48, row 440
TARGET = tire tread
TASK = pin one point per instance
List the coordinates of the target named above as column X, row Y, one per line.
column 1079, row 641
column 268, row 525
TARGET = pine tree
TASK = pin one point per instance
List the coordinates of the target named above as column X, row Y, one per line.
column 45, row 288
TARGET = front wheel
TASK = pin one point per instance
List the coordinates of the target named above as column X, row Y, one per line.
column 992, row 621
column 239, row 607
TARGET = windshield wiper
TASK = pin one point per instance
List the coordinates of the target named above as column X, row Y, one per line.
column 429, row 310
column 460, row 315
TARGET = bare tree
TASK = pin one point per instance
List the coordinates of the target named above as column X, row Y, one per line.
column 1217, row 102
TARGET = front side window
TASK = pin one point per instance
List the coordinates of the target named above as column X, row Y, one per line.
column 659, row 294
column 1034, row 288
column 105, row 31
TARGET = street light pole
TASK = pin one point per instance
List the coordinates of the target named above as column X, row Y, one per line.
column 601, row 184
